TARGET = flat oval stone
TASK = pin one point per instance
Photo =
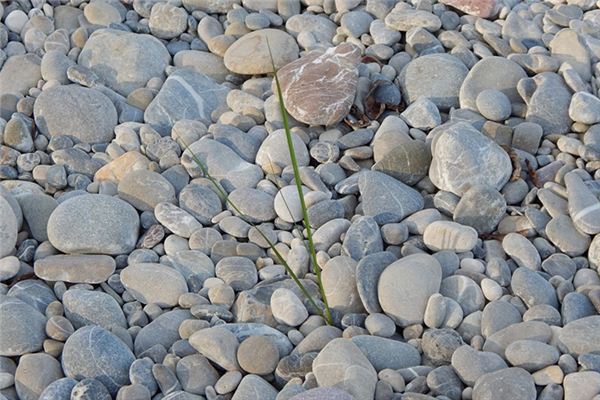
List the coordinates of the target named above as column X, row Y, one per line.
column 249, row 55
column 255, row 205
column 124, row 60
column 96, row 224
column 481, row 207
column 23, row 327
column 362, row 238
column 385, row 353
column 581, row 336
column 273, row 154
column 408, row 162
column 218, row 345
column 470, row 364
column 493, row 385
column 144, row 189
column 202, row 202
column 335, row 76
column 406, row 285
column 34, row 373
column 446, row 235
column 164, row 330
column 464, row 291
column 91, row 269
column 178, row 221
column 93, row 352
column 154, row 283
column 531, row 330
column 339, row 285
column 463, row 157
column 584, row 206
column 563, row 233
column 89, row 307
column 59, row 389
column 532, row 288
column 85, row 114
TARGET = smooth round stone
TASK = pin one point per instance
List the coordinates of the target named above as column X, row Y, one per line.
column 34, row 373
column 531, row 330
column 167, row 21
column 563, row 234
column 481, row 207
column 91, row 269
column 9, row 228
column 96, row 224
column 82, row 113
column 163, row 331
column 23, row 327
column 90, row 389
column 491, row 290
column 258, row 355
column 9, row 267
column 154, row 283
column 437, row 77
column 238, row 272
column 581, row 336
column 471, row 364
column 89, row 307
column 93, row 352
column 111, row 53
column 493, row 385
column 195, row 373
column 202, row 202
column 522, row 251
column 101, row 13
column 7, row 372
column 531, row 355
column 339, row 284
column 254, row 204
column 250, row 55
column 59, row 389
column 59, row 328
column 439, row 344
column 321, row 393
column 202, row 62
column 218, row 345
column 497, row 315
column 581, row 385
column 506, row 75
column 464, row 291
column 584, row 108
column 287, row 203
column 251, row 385
column 353, row 373
column 273, row 154
column 380, row 325
column 177, row 220
column 446, row 235
column 385, row 353
column 463, row 157
column 287, row 308
column 362, row 238
column 419, row 274
column 493, row 105
column 144, row 189
column 16, row 20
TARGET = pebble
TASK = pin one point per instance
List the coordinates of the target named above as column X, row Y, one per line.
column 258, row 355
column 154, row 283
column 446, row 235
column 218, row 345
column 531, row 355
column 471, row 364
column 287, row 308
column 493, row 385
column 24, row 327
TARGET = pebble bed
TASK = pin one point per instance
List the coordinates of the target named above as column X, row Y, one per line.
column 449, row 153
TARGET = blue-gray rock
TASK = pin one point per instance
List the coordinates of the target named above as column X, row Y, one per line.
column 23, row 327
column 253, row 386
column 418, row 274
column 581, row 336
column 531, row 330
column 362, row 238
column 548, row 99
column 470, row 364
column 94, row 224
column 385, row 353
column 532, row 288
column 575, row 306
column 509, row 383
column 90, row 389
column 35, row 372
column 140, row 373
column 386, row 199
column 194, row 266
column 90, row 307
column 36, row 293
column 244, row 330
column 36, row 208
column 408, row 162
column 481, row 207
column 9, row 228
column 444, row 381
column 465, row 291
column 154, row 283
column 185, row 94
column 531, row 355
column 163, row 330
column 124, row 60
column 463, row 157
column 93, row 352
column 368, row 270
column 59, row 390
column 84, row 114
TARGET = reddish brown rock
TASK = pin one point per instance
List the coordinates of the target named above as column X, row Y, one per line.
column 319, row 88
column 478, row 8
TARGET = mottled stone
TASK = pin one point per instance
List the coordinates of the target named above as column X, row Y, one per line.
column 85, row 114
column 125, row 61
column 339, row 284
column 470, row 364
column 406, row 285
column 23, row 327
column 89, row 307
column 408, row 162
column 463, row 157
column 446, row 235
column 362, row 238
column 20, row 73
column 250, row 54
column 163, row 330
column 385, row 353
column 368, row 270
column 584, row 206
column 200, row 94
column 34, row 373
column 218, row 345
column 319, row 88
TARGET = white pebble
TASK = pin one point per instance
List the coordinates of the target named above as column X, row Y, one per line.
column 491, row 290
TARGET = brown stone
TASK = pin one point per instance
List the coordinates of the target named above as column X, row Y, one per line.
column 120, row 166
column 319, row 88
column 478, row 8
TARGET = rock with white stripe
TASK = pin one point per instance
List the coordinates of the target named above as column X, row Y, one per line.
column 185, row 94
column 319, row 88
column 584, row 206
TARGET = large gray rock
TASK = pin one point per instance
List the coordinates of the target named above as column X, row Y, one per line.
column 124, row 60
column 164, row 330
column 96, row 224
column 154, row 283
column 185, row 94
column 491, row 73
column 548, row 99
column 339, row 285
column 9, row 228
column 34, row 373
column 436, row 77
column 341, row 364
column 90, row 307
column 385, row 353
column 37, row 208
column 20, row 73
column 509, row 383
column 386, row 199
column 23, row 327
column 144, row 189
column 581, row 336
column 463, row 157
column 405, row 286
column 532, row 288
column 93, row 352
column 85, row 114
column 470, row 364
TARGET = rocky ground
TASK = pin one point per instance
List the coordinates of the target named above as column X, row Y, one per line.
column 449, row 153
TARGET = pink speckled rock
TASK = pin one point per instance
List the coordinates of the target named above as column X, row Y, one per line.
column 478, row 8
column 319, row 88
